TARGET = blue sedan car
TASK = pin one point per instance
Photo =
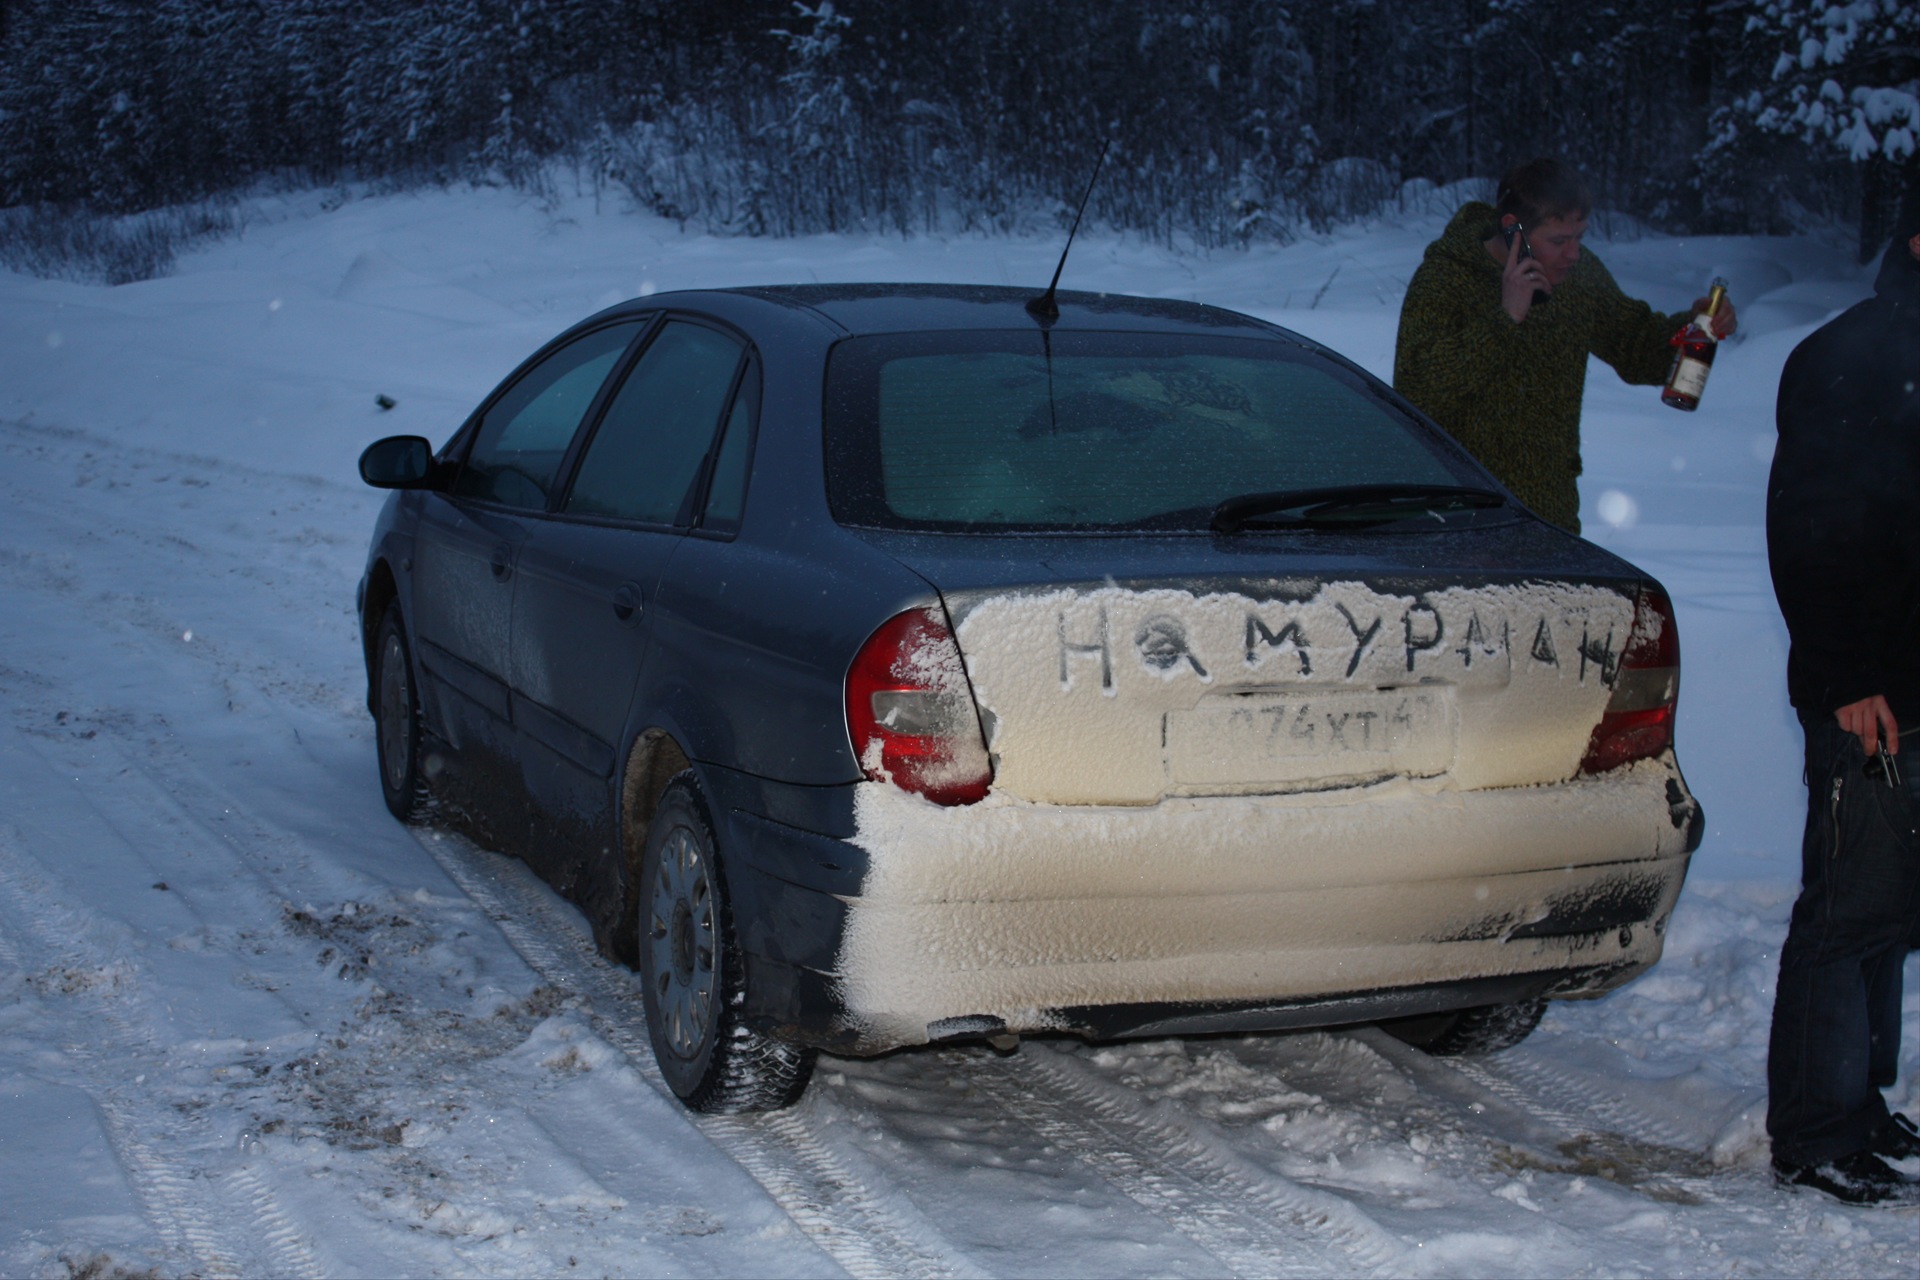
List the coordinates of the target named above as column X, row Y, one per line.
column 884, row 665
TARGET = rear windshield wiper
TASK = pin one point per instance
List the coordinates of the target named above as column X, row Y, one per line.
column 1352, row 505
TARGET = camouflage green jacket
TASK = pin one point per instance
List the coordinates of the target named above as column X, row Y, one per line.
column 1511, row 392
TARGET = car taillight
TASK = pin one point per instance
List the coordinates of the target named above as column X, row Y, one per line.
column 910, row 711
column 1638, row 722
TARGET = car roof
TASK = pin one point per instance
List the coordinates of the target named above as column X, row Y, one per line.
column 910, row 308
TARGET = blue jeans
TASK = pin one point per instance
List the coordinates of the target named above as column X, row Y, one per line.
column 1836, row 1014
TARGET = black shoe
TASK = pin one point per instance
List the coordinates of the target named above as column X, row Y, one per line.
column 1898, row 1138
column 1859, row 1178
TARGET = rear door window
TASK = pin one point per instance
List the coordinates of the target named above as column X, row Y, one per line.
column 727, row 491
column 647, row 453
column 524, row 433
column 1020, row 430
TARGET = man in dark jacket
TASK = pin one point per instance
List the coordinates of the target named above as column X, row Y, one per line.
column 1843, row 540
column 1499, row 320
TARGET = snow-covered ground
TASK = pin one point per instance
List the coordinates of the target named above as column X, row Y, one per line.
column 250, row 1025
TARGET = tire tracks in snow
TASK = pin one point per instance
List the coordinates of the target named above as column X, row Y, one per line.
column 1606, row 1134
column 813, row 1184
column 1165, row 1161
column 1566, row 1099
column 1582, row 1122
column 224, row 1225
column 1150, row 1153
column 824, row 1196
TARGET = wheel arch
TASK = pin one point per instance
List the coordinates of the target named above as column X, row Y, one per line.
column 653, row 760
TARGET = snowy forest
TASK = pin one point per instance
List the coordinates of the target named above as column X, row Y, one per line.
column 1231, row 120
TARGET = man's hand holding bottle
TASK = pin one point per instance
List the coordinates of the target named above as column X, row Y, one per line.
column 1724, row 320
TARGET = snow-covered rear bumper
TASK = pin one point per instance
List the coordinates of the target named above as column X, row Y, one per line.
column 1024, row 914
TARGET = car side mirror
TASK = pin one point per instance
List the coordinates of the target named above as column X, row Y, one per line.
column 398, row 462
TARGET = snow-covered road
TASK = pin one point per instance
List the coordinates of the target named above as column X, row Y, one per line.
column 250, row 1025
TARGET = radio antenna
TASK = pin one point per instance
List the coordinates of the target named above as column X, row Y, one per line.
column 1044, row 308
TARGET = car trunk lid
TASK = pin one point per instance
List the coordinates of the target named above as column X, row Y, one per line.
column 1108, row 694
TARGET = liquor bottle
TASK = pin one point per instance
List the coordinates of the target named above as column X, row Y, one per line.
column 1694, row 348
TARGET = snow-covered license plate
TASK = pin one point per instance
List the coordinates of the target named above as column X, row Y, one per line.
column 1278, row 737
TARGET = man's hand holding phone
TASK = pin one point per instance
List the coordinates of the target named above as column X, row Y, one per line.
column 1522, row 283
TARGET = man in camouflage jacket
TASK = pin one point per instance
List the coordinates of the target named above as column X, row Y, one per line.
column 1497, row 325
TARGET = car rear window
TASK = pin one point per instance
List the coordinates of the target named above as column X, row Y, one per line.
column 1025, row 430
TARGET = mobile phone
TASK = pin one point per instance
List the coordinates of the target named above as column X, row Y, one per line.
column 1526, row 251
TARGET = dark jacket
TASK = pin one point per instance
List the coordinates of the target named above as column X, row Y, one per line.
column 1511, row 392
column 1843, row 501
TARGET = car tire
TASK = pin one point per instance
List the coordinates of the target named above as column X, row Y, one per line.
column 692, row 978
column 1470, row 1032
column 396, row 722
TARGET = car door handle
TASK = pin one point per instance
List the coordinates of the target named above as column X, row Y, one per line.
column 502, row 562
column 626, row 602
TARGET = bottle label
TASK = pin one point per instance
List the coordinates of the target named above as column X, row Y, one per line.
column 1689, row 377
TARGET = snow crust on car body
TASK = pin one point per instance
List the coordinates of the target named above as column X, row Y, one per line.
column 1099, row 872
column 1017, row 910
column 1117, row 696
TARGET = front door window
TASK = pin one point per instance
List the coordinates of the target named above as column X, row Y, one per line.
column 525, row 432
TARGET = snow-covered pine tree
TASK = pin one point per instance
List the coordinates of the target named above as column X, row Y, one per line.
column 1842, row 83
